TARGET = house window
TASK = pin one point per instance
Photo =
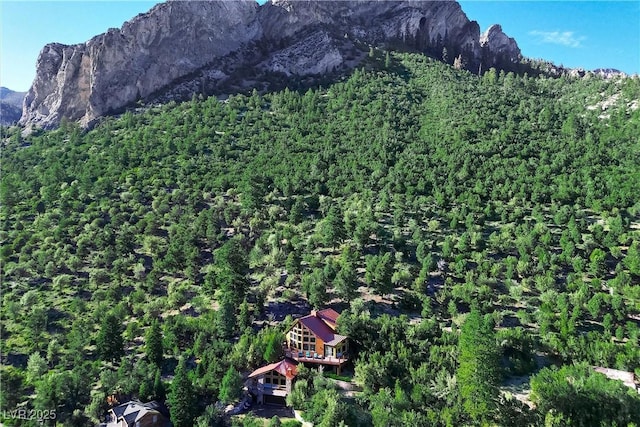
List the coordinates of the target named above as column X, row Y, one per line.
column 277, row 380
column 301, row 338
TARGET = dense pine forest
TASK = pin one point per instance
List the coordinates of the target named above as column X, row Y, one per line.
column 479, row 234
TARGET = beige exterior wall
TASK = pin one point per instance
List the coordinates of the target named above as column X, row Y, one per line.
column 330, row 351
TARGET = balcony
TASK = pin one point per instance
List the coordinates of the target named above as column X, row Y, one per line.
column 312, row 357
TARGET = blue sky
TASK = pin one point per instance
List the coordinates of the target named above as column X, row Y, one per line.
column 588, row 34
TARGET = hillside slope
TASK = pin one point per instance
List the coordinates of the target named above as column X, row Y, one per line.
column 410, row 195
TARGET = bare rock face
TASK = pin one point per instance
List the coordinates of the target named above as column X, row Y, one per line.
column 112, row 70
column 316, row 54
column 191, row 46
column 426, row 26
column 499, row 49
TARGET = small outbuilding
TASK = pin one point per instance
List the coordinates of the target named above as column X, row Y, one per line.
column 272, row 383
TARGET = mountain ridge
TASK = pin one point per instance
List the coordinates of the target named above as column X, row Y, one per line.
column 10, row 106
column 215, row 42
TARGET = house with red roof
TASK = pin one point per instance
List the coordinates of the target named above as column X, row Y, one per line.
column 272, row 383
column 312, row 339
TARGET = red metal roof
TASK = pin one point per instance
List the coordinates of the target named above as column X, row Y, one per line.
column 329, row 316
column 285, row 367
column 319, row 328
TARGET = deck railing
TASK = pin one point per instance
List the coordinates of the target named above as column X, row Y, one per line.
column 312, row 357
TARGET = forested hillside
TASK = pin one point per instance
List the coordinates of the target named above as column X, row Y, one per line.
column 471, row 229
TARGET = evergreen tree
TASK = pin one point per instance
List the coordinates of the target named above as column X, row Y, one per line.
column 145, row 391
column 293, row 262
column 273, row 348
column 597, row 262
column 379, row 270
column 345, row 282
column 314, row 285
column 478, row 367
column 110, row 343
column 231, row 266
column 36, row 368
column 153, row 344
column 296, row 212
column 632, row 260
column 212, row 417
column 226, row 316
column 244, row 316
column 182, row 397
column 231, row 386
column 332, row 227
column 159, row 391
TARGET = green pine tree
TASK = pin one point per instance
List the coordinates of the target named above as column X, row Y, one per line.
column 379, row 270
column 109, row 342
column 244, row 316
column 478, row 367
column 153, row 347
column 332, row 227
column 159, row 391
column 226, row 316
column 182, row 397
column 231, row 386
column 632, row 260
column 346, row 282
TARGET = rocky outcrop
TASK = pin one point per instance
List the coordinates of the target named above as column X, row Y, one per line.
column 182, row 47
column 608, row 73
column 86, row 81
column 498, row 50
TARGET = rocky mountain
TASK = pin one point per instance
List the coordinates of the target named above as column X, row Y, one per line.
column 179, row 48
column 608, row 73
column 10, row 106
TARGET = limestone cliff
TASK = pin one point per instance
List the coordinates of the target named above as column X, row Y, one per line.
column 112, row 70
column 498, row 48
column 182, row 47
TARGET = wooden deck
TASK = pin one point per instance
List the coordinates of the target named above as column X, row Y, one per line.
column 320, row 360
